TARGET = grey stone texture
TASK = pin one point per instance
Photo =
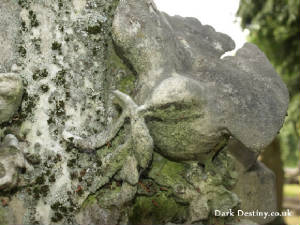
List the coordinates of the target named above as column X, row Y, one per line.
column 11, row 91
column 256, row 188
column 9, row 35
column 126, row 109
column 11, row 160
column 178, row 61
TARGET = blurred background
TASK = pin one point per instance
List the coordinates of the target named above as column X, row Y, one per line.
column 273, row 25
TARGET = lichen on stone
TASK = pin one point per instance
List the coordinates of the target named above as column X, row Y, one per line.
column 127, row 114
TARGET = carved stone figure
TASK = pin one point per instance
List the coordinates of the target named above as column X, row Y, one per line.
column 191, row 100
column 240, row 96
column 128, row 114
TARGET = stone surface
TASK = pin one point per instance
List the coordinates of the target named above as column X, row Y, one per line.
column 12, row 211
column 241, row 153
column 11, row 91
column 240, row 96
column 108, row 82
column 95, row 215
column 256, row 189
column 11, row 160
column 271, row 158
column 129, row 171
column 9, row 35
column 61, row 50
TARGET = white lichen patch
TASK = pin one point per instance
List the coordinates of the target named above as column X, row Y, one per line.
column 79, row 5
column 43, row 212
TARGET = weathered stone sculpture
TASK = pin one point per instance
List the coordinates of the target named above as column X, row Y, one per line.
column 240, row 96
column 127, row 113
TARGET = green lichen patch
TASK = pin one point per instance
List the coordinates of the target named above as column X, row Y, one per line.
column 176, row 112
column 127, row 84
column 89, row 201
column 167, row 173
column 125, row 76
column 108, row 195
column 158, row 209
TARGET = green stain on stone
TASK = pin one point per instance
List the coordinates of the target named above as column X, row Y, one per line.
column 159, row 209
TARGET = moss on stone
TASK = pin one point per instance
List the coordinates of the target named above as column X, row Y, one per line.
column 89, row 201
column 126, row 76
column 127, row 84
column 158, row 209
column 166, row 172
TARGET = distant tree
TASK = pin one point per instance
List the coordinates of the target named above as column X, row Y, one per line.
column 274, row 27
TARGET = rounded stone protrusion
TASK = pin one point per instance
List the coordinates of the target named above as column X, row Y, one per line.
column 11, row 91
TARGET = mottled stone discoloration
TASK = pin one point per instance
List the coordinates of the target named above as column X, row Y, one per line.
column 11, row 91
column 11, row 160
column 9, row 36
column 240, row 96
column 92, row 147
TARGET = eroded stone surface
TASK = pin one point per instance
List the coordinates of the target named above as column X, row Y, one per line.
column 256, row 188
column 9, row 26
column 11, row 91
column 95, row 215
column 176, row 96
column 240, row 96
column 11, row 160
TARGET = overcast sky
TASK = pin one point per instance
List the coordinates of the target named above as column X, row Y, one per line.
column 218, row 13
